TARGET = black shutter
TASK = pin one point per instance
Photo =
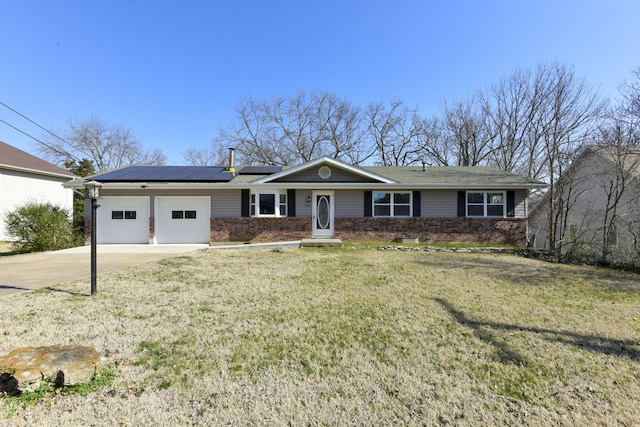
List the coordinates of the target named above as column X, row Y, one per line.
column 246, row 201
column 368, row 203
column 416, row 203
column 511, row 203
column 462, row 203
column 291, row 202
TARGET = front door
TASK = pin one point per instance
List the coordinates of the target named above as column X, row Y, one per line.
column 322, row 214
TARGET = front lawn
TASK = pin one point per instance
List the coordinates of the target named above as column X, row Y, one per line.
column 349, row 336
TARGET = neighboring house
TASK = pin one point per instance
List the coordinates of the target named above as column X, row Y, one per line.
column 323, row 198
column 24, row 177
column 596, row 207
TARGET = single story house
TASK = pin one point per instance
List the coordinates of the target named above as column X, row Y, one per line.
column 24, row 177
column 322, row 198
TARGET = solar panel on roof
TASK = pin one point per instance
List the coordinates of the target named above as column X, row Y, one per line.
column 260, row 170
column 167, row 174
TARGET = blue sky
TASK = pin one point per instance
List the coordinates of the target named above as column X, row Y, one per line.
column 173, row 71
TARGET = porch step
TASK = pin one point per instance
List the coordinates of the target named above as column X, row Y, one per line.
column 308, row 243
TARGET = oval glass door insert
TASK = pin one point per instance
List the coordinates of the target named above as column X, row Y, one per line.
column 323, row 213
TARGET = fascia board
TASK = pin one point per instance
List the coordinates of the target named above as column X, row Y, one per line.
column 35, row 171
column 304, row 185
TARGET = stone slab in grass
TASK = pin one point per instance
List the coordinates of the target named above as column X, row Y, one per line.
column 62, row 365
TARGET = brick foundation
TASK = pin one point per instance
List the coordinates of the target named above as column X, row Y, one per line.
column 152, row 229
column 259, row 230
column 475, row 230
column 511, row 231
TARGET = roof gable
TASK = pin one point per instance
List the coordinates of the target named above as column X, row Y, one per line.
column 16, row 159
column 626, row 157
column 325, row 169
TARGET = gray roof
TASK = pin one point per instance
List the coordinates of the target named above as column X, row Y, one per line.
column 447, row 175
column 14, row 158
column 432, row 177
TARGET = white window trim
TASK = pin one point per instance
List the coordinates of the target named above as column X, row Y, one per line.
column 391, row 204
column 255, row 204
column 485, row 204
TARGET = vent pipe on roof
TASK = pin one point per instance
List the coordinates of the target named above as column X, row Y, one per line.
column 424, row 166
column 232, row 160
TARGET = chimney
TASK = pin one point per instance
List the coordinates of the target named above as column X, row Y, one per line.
column 232, row 160
column 424, row 166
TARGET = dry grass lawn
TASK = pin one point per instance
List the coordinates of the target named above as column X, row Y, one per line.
column 342, row 337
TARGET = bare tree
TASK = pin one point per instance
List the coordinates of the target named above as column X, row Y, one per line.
column 215, row 155
column 630, row 105
column 294, row 129
column 436, row 148
column 510, row 108
column 106, row 146
column 396, row 132
column 466, row 130
column 569, row 111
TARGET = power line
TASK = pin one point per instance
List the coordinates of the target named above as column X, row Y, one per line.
column 34, row 138
column 61, row 152
column 31, row 121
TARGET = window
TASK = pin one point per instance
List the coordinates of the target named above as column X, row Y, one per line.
column 391, row 204
column 183, row 214
column 268, row 203
column 283, row 205
column 123, row 214
column 486, row 204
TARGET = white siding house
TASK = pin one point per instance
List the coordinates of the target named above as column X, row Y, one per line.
column 24, row 177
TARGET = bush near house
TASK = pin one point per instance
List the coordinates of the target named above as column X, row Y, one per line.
column 39, row 227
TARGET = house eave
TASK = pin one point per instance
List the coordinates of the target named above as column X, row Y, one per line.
column 35, row 171
column 77, row 184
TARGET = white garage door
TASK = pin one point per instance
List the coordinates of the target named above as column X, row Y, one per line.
column 123, row 220
column 182, row 219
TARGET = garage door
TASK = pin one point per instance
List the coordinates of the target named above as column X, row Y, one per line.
column 183, row 219
column 123, row 220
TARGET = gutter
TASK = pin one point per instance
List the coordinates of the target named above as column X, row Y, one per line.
column 77, row 184
column 37, row 171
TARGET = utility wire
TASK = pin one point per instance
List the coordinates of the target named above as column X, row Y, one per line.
column 31, row 121
column 59, row 151
column 34, row 138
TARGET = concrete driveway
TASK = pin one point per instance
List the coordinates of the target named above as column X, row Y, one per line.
column 19, row 273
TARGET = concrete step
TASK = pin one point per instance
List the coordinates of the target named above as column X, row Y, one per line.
column 308, row 243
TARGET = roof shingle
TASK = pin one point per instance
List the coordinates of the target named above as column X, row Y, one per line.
column 14, row 158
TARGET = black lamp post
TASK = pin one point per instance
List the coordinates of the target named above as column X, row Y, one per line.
column 92, row 191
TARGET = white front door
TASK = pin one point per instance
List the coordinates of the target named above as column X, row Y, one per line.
column 322, row 215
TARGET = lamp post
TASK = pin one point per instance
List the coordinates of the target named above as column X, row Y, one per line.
column 92, row 191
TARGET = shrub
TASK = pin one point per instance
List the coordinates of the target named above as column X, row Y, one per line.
column 40, row 227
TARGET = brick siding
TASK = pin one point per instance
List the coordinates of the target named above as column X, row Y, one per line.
column 475, row 230
column 429, row 230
